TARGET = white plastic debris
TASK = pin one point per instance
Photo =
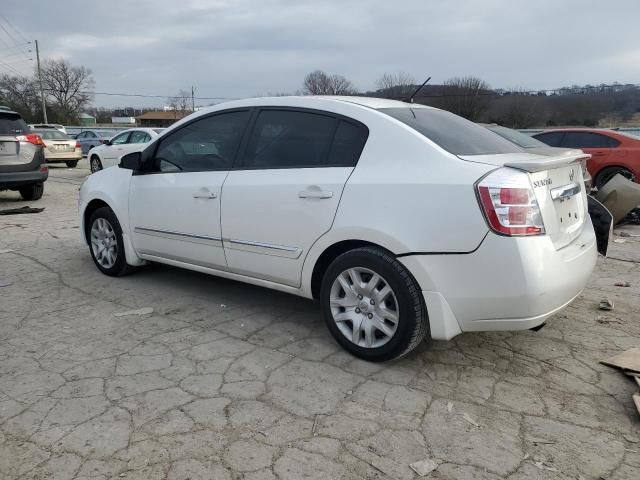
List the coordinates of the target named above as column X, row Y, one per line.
column 423, row 467
column 140, row 311
column 545, row 466
column 449, row 407
column 468, row 418
column 6, row 250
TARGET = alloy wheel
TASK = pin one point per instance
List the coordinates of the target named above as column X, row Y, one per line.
column 104, row 243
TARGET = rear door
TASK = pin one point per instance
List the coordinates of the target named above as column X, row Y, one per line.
column 599, row 146
column 284, row 194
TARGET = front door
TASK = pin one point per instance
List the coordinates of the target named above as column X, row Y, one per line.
column 113, row 150
column 284, row 194
column 175, row 208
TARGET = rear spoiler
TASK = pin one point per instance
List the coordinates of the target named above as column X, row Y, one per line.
column 548, row 163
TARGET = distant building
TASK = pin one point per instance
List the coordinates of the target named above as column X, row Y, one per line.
column 124, row 120
column 86, row 119
column 160, row 119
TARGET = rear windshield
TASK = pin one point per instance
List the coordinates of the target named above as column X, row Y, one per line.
column 51, row 134
column 451, row 132
column 12, row 124
column 521, row 139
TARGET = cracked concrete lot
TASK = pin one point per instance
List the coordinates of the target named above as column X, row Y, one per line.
column 229, row 381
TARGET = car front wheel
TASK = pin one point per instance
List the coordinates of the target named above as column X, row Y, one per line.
column 95, row 164
column 372, row 305
column 105, row 243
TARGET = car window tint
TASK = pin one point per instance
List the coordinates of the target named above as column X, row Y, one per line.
column 451, row 132
column 139, row 137
column 12, row 124
column 348, row 143
column 289, row 139
column 206, row 144
column 120, row 139
column 553, row 139
column 91, row 135
column 588, row 140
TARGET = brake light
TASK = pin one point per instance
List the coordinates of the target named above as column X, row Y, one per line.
column 44, row 168
column 78, row 144
column 509, row 203
column 31, row 138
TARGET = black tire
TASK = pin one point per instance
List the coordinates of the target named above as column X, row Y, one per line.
column 72, row 163
column 608, row 173
column 32, row 192
column 120, row 266
column 95, row 164
column 413, row 322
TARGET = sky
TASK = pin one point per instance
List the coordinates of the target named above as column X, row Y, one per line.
column 243, row 48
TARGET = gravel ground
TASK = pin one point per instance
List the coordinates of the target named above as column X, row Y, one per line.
column 229, row 381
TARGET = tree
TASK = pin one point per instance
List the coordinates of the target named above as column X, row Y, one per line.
column 468, row 97
column 519, row 110
column 68, row 89
column 21, row 94
column 395, row 85
column 181, row 102
column 320, row 83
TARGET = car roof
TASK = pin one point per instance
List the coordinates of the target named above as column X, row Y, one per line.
column 313, row 101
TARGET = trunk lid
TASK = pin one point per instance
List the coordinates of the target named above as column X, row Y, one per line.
column 59, row 146
column 12, row 153
column 558, row 185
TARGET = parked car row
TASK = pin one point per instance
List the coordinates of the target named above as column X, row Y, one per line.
column 108, row 153
column 403, row 221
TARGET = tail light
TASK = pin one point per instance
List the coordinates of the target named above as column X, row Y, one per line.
column 31, row 138
column 509, row 203
column 44, row 168
column 78, row 144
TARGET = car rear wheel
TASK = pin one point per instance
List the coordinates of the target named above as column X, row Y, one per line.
column 32, row 192
column 95, row 164
column 72, row 163
column 608, row 173
column 105, row 243
column 372, row 305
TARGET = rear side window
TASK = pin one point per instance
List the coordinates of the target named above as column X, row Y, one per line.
column 451, row 132
column 348, row 143
column 553, row 139
column 289, row 139
column 12, row 125
column 588, row 140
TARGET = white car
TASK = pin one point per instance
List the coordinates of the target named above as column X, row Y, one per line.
column 404, row 221
column 108, row 153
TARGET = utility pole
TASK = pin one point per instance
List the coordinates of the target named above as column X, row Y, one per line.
column 193, row 103
column 44, row 105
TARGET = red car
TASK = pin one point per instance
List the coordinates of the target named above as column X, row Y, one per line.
column 611, row 152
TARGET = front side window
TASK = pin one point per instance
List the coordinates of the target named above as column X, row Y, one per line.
column 139, row 137
column 206, row 144
column 588, row 140
column 81, row 135
column 553, row 139
column 120, row 139
column 289, row 139
column 453, row 133
column 91, row 135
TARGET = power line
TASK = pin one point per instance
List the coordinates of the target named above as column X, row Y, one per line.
column 14, row 28
column 113, row 94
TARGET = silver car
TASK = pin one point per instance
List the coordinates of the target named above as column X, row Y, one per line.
column 92, row 138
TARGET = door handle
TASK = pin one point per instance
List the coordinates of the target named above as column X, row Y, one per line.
column 204, row 194
column 315, row 194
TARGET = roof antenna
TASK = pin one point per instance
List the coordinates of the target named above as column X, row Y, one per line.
column 418, row 89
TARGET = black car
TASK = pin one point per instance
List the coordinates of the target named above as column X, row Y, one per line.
column 22, row 166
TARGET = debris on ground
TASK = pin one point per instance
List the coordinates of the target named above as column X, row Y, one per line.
column 6, row 250
column 606, row 304
column 629, row 360
column 423, row 467
column 4, row 283
column 622, row 284
column 608, row 320
column 449, row 407
column 636, row 400
column 619, row 240
column 140, row 311
column 469, row 419
column 545, row 466
column 21, row 210
column 621, row 196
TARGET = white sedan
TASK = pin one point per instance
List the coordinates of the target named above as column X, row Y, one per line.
column 404, row 221
column 108, row 154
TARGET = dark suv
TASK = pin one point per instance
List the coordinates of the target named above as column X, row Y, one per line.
column 22, row 165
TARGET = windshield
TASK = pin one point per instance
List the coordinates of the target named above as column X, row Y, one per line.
column 52, row 134
column 12, row 124
column 451, row 132
column 521, row 139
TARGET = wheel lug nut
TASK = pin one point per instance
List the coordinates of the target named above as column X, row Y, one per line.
column 359, row 297
column 370, row 315
column 357, row 310
column 372, row 302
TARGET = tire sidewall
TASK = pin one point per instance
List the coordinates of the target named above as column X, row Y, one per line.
column 95, row 159
column 120, row 264
column 407, row 315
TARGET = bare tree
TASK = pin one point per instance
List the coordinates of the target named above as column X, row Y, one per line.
column 21, row 94
column 395, row 85
column 68, row 88
column 468, row 97
column 519, row 110
column 321, row 83
column 181, row 102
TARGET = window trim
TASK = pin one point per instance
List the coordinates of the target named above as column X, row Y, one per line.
column 615, row 143
column 153, row 148
column 128, row 134
column 240, row 157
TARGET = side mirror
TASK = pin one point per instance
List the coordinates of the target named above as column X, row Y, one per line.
column 131, row 161
column 107, row 143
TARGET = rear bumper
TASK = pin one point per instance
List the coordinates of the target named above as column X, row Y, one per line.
column 51, row 157
column 506, row 284
column 19, row 179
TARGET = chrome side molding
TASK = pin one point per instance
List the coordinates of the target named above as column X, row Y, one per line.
column 262, row 248
column 186, row 237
